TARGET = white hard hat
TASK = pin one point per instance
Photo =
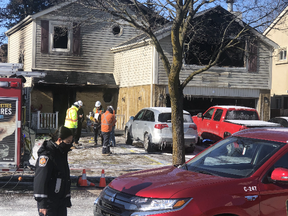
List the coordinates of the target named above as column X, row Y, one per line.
column 80, row 103
column 76, row 103
column 111, row 107
column 97, row 104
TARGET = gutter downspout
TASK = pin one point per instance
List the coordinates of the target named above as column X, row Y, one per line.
column 153, row 74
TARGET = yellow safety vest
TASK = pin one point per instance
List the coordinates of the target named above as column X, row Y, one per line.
column 71, row 117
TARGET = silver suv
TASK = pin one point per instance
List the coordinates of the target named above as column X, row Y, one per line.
column 153, row 127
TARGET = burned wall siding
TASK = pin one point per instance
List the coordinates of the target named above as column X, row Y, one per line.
column 133, row 67
column 159, row 95
column 93, row 53
column 132, row 99
column 42, row 100
column 20, row 46
column 227, row 77
column 89, row 97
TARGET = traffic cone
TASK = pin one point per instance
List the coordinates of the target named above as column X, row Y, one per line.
column 102, row 182
column 82, row 181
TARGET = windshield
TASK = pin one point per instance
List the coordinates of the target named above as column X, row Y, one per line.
column 241, row 115
column 166, row 117
column 234, row 157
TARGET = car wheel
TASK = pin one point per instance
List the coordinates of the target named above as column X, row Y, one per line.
column 190, row 149
column 128, row 139
column 147, row 143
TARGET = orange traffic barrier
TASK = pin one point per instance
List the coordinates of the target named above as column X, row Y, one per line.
column 82, row 180
column 102, row 182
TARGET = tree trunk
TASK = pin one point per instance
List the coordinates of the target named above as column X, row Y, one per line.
column 176, row 97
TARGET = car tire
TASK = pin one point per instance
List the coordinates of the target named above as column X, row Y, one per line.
column 128, row 139
column 190, row 149
column 147, row 144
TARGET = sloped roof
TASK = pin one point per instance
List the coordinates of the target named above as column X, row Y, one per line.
column 166, row 30
column 278, row 18
column 29, row 18
column 74, row 78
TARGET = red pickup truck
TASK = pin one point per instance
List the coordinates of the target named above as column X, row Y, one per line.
column 219, row 122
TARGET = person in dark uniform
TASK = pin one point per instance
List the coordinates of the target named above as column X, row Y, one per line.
column 97, row 112
column 80, row 121
column 52, row 175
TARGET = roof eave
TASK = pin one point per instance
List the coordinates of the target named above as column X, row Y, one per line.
column 19, row 25
column 29, row 18
column 279, row 17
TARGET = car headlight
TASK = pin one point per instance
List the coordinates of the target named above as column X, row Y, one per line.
column 148, row 204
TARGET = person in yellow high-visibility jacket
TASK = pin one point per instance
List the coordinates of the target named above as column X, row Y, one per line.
column 71, row 120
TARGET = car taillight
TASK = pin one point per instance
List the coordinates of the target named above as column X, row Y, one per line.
column 160, row 126
column 14, row 84
column 193, row 126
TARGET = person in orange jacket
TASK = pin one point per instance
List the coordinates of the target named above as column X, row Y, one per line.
column 107, row 122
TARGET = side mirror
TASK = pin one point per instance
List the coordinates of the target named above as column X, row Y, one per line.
column 280, row 174
column 200, row 115
column 131, row 118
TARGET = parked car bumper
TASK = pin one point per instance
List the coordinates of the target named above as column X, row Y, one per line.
column 167, row 141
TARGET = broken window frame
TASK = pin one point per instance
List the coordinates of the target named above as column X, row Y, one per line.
column 244, row 56
column 69, row 26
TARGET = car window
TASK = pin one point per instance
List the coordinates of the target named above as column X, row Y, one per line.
column 284, row 122
column 139, row 115
column 149, row 116
column 208, row 114
column 274, row 120
column 218, row 115
column 187, row 118
column 166, row 117
column 234, row 157
column 281, row 163
column 241, row 115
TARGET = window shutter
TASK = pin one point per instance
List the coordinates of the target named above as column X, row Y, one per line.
column 44, row 36
column 76, row 39
column 252, row 59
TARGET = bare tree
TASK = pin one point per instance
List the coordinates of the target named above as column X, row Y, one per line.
column 190, row 29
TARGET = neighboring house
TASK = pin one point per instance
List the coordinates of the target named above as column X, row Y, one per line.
column 278, row 32
column 74, row 52
column 143, row 82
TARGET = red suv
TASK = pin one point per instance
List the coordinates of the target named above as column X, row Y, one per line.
column 244, row 174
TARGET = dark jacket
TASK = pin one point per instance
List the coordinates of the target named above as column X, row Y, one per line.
column 80, row 112
column 52, row 176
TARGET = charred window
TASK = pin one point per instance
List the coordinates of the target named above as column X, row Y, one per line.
column 209, row 34
column 60, row 38
column 201, row 52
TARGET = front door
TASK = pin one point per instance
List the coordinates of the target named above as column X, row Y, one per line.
column 63, row 98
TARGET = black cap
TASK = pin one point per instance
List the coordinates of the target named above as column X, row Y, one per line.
column 65, row 133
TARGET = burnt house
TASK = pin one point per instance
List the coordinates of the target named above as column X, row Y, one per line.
column 242, row 76
column 73, row 49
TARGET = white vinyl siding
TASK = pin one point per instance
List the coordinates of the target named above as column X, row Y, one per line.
column 20, row 45
column 133, row 67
